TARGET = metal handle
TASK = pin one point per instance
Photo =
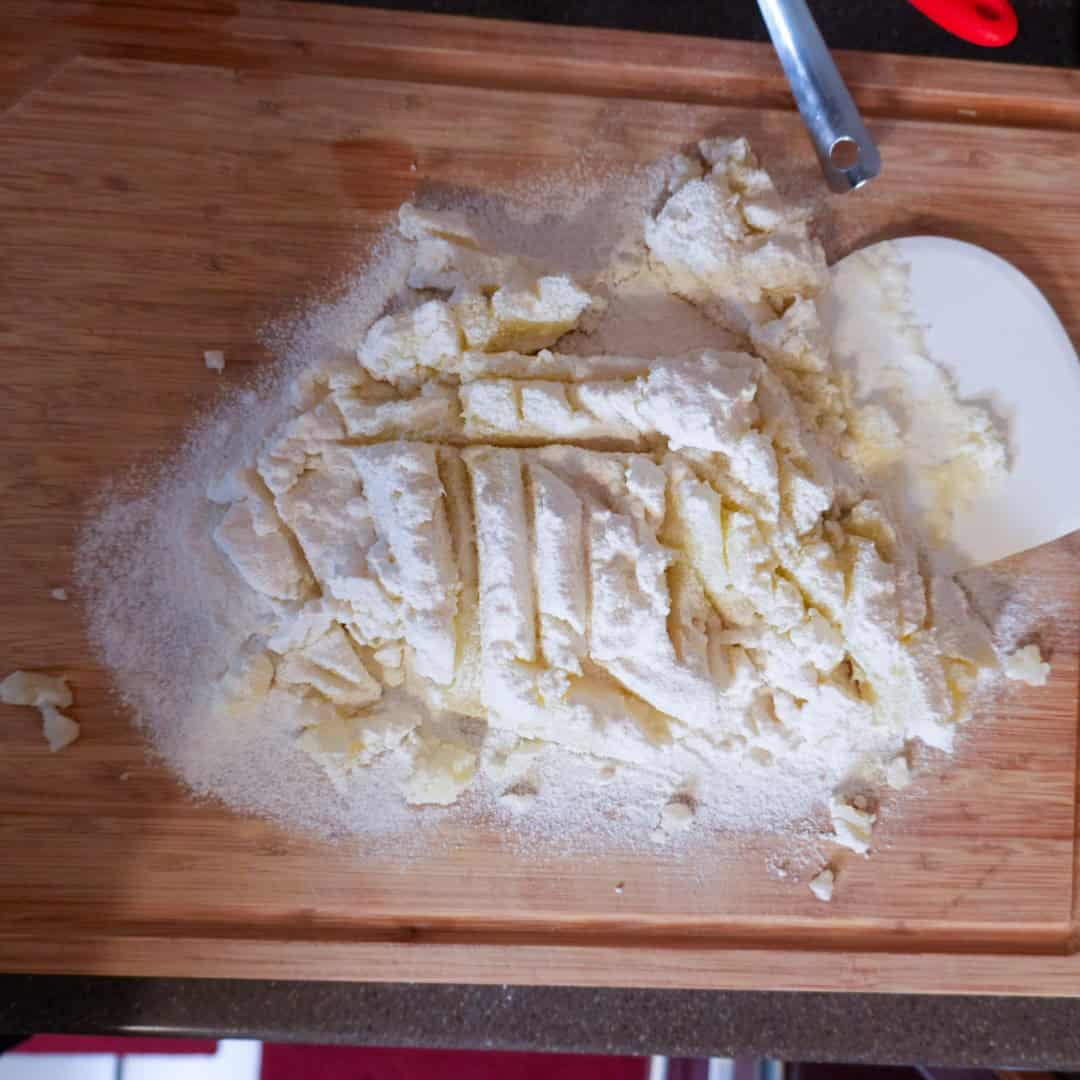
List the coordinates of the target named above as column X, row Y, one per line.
column 848, row 156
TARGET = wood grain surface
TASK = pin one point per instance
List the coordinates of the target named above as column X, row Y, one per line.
column 173, row 175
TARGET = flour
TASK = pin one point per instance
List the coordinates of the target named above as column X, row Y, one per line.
column 551, row 518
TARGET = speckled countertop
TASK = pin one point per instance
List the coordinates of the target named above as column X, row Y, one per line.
column 1028, row 1032
column 1049, row 29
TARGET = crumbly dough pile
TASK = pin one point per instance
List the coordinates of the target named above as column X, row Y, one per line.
column 469, row 539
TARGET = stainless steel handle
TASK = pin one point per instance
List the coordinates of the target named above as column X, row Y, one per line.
column 848, row 156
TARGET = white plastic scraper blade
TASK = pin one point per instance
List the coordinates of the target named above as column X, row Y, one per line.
column 994, row 332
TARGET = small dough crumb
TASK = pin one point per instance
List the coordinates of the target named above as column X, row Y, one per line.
column 48, row 694
column 245, row 685
column 1027, row 665
column 442, row 770
column 898, row 773
column 607, row 772
column 58, row 594
column 518, row 799
column 676, row 816
column 852, row 824
column 822, row 885
column 36, row 689
column 59, row 730
column 215, row 359
column 512, row 764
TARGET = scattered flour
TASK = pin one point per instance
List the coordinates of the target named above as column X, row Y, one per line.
column 558, row 519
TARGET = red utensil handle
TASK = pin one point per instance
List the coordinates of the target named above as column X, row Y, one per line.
column 982, row 22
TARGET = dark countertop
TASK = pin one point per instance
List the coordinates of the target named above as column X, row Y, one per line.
column 1030, row 1032
column 1049, row 29
column 880, row 1028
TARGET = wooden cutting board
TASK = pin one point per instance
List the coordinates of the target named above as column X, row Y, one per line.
column 173, row 175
